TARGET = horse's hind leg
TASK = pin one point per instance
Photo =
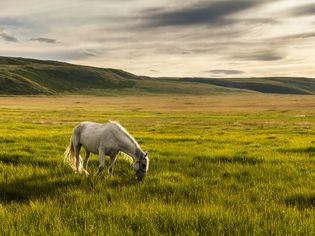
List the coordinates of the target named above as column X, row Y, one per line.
column 86, row 159
column 77, row 156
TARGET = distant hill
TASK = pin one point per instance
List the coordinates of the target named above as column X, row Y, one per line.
column 20, row 76
column 280, row 85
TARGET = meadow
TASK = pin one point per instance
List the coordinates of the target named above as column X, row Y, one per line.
column 219, row 165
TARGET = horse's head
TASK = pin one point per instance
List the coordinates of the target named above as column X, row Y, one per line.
column 141, row 166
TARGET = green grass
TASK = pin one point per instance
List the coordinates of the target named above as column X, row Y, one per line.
column 212, row 172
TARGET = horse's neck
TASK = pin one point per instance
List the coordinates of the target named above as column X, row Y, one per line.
column 129, row 147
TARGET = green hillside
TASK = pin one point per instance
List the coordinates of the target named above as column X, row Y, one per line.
column 20, row 76
column 280, row 85
column 29, row 76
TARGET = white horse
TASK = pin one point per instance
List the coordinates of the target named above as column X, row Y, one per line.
column 104, row 139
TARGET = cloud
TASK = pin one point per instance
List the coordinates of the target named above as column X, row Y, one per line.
column 300, row 36
column 305, row 10
column 73, row 54
column 8, row 38
column 225, row 72
column 263, row 55
column 44, row 40
column 214, row 13
column 178, row 38
column 11, row 22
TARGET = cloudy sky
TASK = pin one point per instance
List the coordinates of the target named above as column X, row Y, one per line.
column 208, row 38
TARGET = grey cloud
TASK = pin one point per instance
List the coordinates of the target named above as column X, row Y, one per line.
column 8, row 38
column 290, row 37
column 260, row 21
column 59, row 55
column 6, row 21
column 44, row 40
column 214, row 13
column 225, row 72
column 65, row 55
column 305, row 10
column 260, row 56
column 74, row 55
column 93, row 52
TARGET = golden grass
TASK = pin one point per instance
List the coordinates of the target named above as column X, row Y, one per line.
column 200, row 104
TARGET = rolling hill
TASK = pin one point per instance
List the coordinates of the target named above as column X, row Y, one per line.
column 21, row 76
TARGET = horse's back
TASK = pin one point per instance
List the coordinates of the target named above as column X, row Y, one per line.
column 88, row 126
column 91, row 135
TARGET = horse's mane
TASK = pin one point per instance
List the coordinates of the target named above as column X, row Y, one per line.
column 125, row 131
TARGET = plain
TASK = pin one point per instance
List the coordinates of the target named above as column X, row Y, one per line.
column 220, row 165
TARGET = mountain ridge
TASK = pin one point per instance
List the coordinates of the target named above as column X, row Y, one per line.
column 25, row 76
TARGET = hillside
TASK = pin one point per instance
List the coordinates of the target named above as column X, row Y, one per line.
column 280, row 85
column 20, row 76
column 29, row 76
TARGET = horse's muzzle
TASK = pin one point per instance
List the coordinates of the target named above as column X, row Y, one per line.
column 140, row 174
column 139, row 178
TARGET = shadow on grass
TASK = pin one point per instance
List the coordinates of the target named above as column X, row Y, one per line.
column 20, row 159
column 301, row 201
column 7, row 140
column 238, row 159
column 305, row 150
column 41, row 186
column 54, row 184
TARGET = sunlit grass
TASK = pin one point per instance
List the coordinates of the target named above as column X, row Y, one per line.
column 211, row 172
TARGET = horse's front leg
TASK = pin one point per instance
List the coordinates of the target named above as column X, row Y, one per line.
column 112, row 160
column 101, row 154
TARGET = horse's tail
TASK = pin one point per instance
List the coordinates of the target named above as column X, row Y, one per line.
column 70, row 157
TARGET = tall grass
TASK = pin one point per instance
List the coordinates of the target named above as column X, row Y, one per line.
column 211, row 173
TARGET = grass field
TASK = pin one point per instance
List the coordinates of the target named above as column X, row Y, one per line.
column 219, row 165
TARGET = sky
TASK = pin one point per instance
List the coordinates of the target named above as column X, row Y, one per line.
column 193, row 38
